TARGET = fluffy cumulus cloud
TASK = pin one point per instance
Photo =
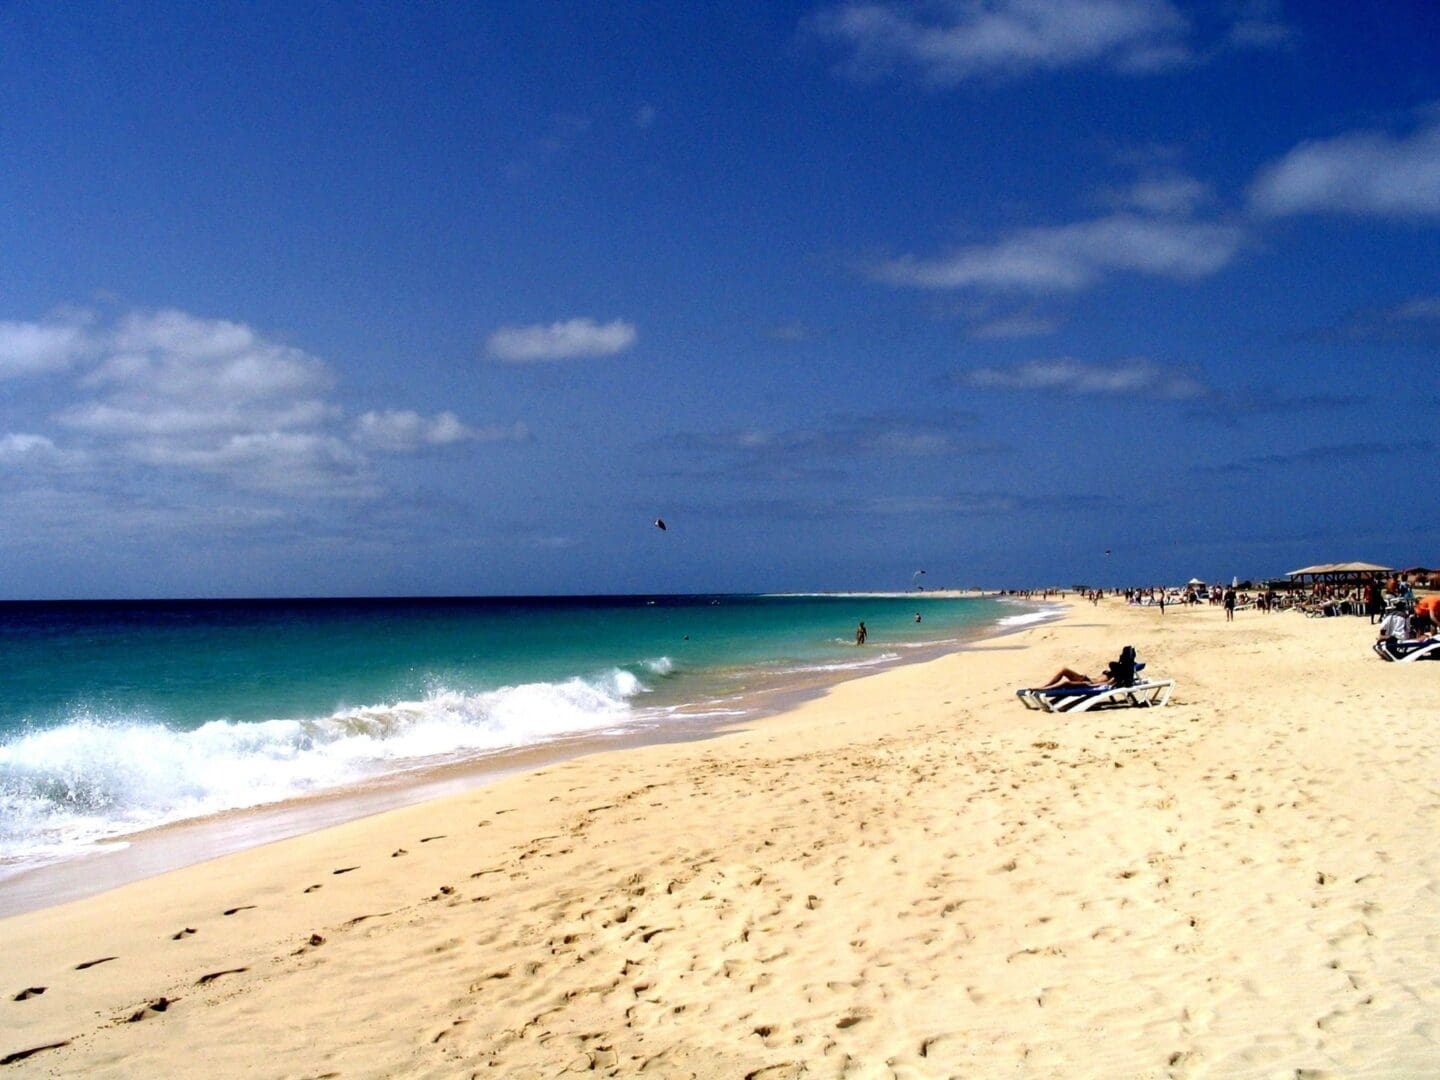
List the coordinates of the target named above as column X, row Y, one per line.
column 1066, row 375
column 946, row 43
column 165, row 397
column 1070, row 257
column 1371, row 173
column 37, row 348
column 566, row 340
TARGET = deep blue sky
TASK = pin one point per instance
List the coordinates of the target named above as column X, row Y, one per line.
column 322, row 299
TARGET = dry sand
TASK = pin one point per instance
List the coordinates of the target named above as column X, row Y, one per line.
column 912, row 876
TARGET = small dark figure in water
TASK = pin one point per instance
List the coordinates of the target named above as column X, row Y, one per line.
column 861, row 633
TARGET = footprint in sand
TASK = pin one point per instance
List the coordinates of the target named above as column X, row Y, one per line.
column 21, row 1055
column 94, row 963
column 159, row 1005
column 182, row 933
column 28, row 993
column 345, row 870
column 312, row 888
column 313, row 942
column 217, row 974
column 242, row 907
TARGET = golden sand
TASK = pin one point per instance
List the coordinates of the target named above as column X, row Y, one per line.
column 911, row 876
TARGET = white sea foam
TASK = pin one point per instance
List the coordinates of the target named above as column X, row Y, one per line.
column 873, row 659
column 93, row 777
column 1029, row 618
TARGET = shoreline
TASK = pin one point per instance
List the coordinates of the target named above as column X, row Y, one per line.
column 909, row 873
column 129, row 857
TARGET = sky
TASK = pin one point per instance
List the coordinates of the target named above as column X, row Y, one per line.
column 395, row 299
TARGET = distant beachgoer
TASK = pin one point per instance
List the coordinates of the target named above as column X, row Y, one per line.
column 917, row 616
column 861, row 633
column 1374, row 603
column 1229, row 605
column 1162, row 601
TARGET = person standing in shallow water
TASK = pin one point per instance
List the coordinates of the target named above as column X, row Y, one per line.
column 861, row 633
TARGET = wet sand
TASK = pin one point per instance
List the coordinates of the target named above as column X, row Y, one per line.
column 908, row 876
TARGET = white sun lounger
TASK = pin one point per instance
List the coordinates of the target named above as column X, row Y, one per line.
column 1403, row 652
column 1084, row 698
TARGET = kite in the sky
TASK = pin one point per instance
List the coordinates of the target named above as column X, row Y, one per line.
column 660, row 524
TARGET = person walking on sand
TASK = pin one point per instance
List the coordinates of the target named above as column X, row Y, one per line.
column 861, row 633
column 1229, row 605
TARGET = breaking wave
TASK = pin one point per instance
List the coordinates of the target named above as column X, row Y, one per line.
column 99, row 776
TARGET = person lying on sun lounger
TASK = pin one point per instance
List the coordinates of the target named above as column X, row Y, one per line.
column 1119, row 672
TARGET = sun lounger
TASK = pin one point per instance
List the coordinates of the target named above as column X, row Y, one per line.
column 1405, row 651
column 1084, row 698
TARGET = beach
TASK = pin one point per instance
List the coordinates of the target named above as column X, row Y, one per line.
column 907, row 876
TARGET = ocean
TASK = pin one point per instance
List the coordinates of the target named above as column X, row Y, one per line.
column 120, row 716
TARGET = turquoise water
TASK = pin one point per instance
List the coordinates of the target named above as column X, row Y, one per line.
column 120, row 716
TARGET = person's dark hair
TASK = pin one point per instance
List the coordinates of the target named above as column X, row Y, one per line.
column 1122, row 672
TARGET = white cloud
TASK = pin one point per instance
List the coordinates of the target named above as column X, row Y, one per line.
column 194, row 418
column 1129, row 378
column 1258, row 24
column 561, row 340
column 403, row 430
column 793, row 331
column 308, row 463
column 1070, row 257
column 174, row 355
column 21, row 449
column 167, row 396
column 1423, row 309
column 36, row 348
column 967, row 503
column 949, row 42
column 1166, row 195
column 1359, row 172
column 1018, row 325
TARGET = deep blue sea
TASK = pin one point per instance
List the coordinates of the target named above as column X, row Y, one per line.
column 118, row 716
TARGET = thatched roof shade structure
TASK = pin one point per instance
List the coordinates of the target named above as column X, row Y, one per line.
column 1340, row 573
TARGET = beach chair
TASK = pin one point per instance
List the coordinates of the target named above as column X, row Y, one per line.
column 1404, row 652
column 1067, row 699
